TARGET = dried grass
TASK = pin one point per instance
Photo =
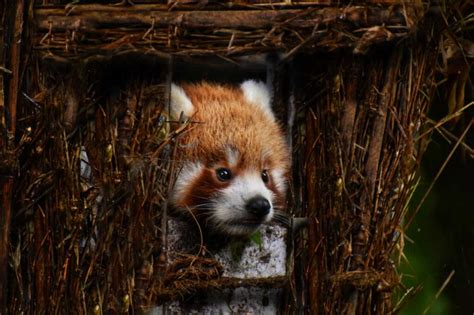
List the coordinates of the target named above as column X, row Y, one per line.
column 86, row 241
column 93, row 244
column 354, row 175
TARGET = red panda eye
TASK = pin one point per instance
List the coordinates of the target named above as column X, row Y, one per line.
column 223, row 174
column 265, row 176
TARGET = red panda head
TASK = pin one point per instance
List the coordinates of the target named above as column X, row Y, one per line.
column 234, row 157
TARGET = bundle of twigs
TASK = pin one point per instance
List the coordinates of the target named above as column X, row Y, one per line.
column 358, row 138
column 95, row 164
column 94, row 151
column 86, row 30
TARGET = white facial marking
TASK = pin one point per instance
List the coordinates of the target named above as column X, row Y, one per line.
column 230, row 213
column 266, row 153
column 188, row 173
column 180, row 103
column 256, row 92
column 232, row 156
column 279, row 180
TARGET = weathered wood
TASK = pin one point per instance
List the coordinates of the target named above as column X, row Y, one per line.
column 14, row 64
column 93, row 18
column 12, row 54
column 97, row 29
column 93, row 244
column 5, row 217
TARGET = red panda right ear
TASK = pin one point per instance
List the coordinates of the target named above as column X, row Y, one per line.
column 180, row 103
column 257, row 93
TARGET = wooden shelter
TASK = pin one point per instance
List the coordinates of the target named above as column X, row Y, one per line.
column 87, row 152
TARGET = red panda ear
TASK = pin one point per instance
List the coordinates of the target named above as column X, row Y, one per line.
column 257, row 93
column 180, row 103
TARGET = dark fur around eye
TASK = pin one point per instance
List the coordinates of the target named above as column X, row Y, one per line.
column 223, row 174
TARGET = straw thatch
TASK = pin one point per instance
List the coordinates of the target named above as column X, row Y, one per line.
column 88, row 151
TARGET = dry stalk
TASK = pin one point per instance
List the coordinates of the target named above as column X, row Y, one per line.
column 96, row 165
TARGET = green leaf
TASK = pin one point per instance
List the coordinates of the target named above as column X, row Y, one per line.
column 256, row 238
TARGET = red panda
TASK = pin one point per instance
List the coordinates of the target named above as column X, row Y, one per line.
column 235, row 159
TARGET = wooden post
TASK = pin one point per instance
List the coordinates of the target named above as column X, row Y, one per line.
column 64, row 31
column 8, row 105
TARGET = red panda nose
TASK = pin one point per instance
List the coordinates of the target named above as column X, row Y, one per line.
column 258, row 206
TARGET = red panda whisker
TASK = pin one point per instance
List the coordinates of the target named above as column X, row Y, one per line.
column 279, row 216
column 282, row 218
column 279, row 213
column 205, row 204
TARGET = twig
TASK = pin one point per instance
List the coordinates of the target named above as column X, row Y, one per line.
column 445, row 120
column 438, row 293
column 412, row 217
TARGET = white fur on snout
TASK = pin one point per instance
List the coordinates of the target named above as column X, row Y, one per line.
column 230, row 203
column 188, row 173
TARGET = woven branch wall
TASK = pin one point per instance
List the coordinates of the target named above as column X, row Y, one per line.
column 95, row 80
column 354, row 175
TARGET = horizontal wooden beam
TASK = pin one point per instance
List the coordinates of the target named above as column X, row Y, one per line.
column 90, row 29
column 96, row 17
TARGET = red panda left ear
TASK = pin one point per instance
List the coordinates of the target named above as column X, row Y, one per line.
column 180, row 103
column 257, row 93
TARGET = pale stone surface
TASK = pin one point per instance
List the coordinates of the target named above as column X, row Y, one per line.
column 257, row 261
column 228, row 301
column 267, row 260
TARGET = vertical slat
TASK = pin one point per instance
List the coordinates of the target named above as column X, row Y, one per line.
column 7, row 184
column 14, row 62
column 11, row 41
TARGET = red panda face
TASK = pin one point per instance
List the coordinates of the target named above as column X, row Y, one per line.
column 234, row 158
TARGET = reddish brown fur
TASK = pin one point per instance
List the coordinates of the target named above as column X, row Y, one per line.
column 203, row 187
column 224, row 118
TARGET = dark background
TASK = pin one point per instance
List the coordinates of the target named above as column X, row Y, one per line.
column 443, row 231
